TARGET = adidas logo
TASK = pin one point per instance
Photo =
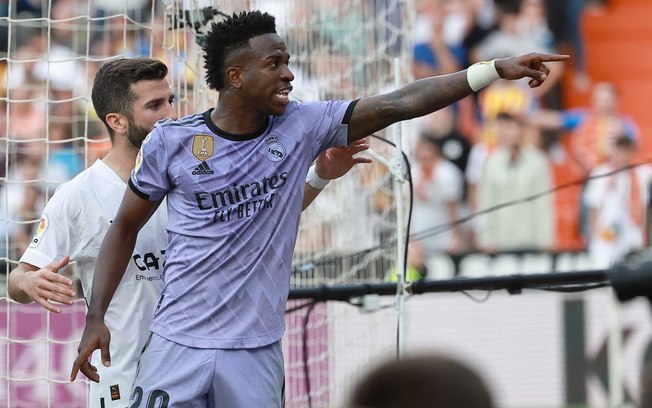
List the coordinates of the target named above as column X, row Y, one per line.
column 202, row 169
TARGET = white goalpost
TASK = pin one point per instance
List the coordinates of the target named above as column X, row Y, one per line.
column 49, row 52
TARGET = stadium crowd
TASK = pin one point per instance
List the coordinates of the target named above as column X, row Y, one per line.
column 513, row 142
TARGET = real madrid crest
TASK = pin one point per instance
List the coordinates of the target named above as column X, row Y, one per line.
column 274, row 150
column 203, row 146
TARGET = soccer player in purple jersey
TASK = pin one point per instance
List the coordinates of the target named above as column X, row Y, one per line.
column 129, row 95
column 234, row 181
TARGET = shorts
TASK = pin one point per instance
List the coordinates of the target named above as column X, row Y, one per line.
column 171, row 375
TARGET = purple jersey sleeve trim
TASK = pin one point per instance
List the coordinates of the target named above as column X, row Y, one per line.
column 349, row 112
column 139, row 193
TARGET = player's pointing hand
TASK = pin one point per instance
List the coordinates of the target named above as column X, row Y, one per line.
column 96, row 336
column 528, row 65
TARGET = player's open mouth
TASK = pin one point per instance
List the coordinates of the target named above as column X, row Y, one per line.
column 283, row 95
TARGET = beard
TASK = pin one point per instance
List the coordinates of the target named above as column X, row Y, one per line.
column 136, row 134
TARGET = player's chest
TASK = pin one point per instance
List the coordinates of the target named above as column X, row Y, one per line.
column 211, row 160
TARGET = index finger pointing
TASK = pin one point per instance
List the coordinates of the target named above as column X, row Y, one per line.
column 554, row 57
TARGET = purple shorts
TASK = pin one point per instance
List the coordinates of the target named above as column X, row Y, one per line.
column 171, row 375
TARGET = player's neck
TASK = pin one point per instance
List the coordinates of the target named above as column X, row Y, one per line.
column 121, row 161
column 238, row 121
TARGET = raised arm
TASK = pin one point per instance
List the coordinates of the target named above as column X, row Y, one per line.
column 430, row 94
column 112, row 260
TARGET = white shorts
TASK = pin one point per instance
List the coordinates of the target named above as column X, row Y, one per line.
column 170, row 375
column 115, row 384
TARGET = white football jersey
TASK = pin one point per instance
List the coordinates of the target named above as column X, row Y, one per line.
column 74, row 222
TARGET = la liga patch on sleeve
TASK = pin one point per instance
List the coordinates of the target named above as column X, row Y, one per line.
column 38, row 235
column 139, row 160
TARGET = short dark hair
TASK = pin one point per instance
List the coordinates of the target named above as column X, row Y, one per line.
column 112, row 91
column 229, row 36
column 421, row 381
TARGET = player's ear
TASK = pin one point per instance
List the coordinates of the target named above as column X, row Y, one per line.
column 233, row 76
column 118, row 122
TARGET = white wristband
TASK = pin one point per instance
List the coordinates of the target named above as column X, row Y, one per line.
column 481, row 74
column 314, row 180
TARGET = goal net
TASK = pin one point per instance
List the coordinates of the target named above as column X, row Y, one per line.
column 49, row 52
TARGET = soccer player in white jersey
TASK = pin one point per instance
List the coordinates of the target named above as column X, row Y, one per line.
column 234, row 178
column 129, row 95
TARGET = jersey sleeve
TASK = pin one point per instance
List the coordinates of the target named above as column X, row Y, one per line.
column 328, row 123
column 149, row 178
column 52, row 238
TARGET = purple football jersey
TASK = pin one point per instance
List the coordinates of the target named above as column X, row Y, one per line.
column 234, row 203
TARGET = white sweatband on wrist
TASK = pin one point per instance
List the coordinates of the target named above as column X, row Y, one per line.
column 482, row 74
column 314, row 180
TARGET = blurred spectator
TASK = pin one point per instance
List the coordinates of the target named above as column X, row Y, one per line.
column 481, row 21
column 617, row 205
column 438, row 38
column 454, row 146
column 565, row 22
column 519, row 30
column 438, row 188
column 515, row 170
column 593, row 130
column 519, row 33
column 416, row 268
column 422, row 381
column 439, row 48
column 532, row 23
column 501, row 96
column 21, row 203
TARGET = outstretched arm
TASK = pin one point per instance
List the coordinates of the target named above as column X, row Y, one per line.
column 29, row 283
column 334, row 163
column 430, row 94
column 112, row 260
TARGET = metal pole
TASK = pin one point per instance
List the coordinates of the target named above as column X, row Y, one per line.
column 400, row 227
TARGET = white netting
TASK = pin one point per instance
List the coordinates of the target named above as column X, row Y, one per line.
column 49, row 52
